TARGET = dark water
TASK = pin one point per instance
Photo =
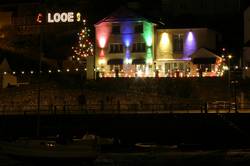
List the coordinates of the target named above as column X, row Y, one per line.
column 237, row 157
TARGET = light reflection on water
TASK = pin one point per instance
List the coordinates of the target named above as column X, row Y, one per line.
column 151, row 158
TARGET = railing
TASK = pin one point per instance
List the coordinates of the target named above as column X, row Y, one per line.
column 125, row 108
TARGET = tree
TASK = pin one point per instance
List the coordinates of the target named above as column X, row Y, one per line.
column 84, row 46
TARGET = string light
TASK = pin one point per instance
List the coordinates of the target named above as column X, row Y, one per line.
column 85, row 47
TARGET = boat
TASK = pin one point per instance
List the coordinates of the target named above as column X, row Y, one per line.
column 50, row 148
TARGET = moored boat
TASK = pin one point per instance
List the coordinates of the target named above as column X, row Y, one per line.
column 51, row 149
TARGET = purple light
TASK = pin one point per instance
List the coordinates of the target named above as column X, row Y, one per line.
column 127, row 36
column 127, row 40
column 127, row 33
column 127, row 53
column 190, row 45
column 190, row 37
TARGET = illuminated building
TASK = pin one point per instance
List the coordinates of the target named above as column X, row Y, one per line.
column 125, row 45
column 177, row 48
column 128, row 45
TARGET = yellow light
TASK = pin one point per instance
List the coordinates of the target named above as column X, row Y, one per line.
column 165, row 42
column 164, row 38
column 102, row 61
column 67, row 70
column 149, row 61
column 5, row 73
column 230, row 56
column 128, row 61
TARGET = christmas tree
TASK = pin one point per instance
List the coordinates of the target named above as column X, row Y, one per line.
column 85, row 47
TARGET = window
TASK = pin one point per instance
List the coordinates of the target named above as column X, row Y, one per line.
column 181, row 66
column 140, row 68
column 167, row 67
column 175, row 66
column 114, row 68
column 115, row 48
column 139, row 47
column 178, row 43
column 139, row 28
column 116, row 29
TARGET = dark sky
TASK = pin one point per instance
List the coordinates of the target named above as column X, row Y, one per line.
column 230, row 25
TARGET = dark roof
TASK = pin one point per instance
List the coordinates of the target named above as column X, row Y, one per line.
column 204, row 56
column 123, row 14
column 203, row 53
column 204, row 60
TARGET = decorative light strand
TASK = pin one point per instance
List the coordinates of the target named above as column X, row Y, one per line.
column 85, row 47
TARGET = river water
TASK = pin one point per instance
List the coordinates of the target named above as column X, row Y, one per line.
column 151, row 157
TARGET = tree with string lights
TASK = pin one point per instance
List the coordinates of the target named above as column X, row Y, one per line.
column 84, row 46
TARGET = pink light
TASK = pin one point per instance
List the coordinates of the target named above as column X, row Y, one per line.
column 102, row 34
column 102, row 54
column 102, row 41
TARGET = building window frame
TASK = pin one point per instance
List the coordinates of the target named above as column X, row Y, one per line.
column 116, row 29
column 178, row 43
column 139, row 47
column 116, row 48
column 138, row 29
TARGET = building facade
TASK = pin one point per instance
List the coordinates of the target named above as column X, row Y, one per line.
column 128, row 45
column 124, row 45
column 175, row 47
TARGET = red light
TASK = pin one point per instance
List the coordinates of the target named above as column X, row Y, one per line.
column 39, row 18
column 102, row 53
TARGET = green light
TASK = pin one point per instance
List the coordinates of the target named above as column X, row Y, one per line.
column 149, row 58
column 148, row 33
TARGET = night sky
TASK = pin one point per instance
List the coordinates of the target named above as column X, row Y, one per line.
column 230, row 25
